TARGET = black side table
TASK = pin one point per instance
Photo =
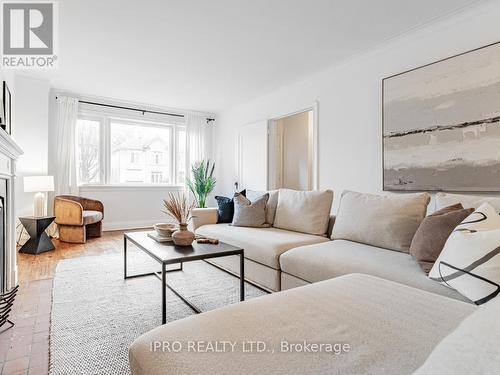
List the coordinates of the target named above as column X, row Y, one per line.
column 39, row 242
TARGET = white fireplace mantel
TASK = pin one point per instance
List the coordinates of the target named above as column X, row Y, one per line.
column 9, row 153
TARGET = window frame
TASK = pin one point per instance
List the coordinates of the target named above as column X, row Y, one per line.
column 187, row 168
column 105, row 120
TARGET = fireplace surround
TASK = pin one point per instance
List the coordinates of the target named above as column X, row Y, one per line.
column 9, row 153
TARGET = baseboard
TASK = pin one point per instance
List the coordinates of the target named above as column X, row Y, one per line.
column 124, row 225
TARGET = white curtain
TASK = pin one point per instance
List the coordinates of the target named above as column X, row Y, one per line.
column 67, row 112
column 199, row 138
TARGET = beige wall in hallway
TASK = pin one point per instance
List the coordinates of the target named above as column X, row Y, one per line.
column 296, row 151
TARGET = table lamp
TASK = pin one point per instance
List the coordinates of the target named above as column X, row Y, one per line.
column 39, row 185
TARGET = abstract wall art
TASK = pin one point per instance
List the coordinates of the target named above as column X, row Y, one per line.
column 441, row 125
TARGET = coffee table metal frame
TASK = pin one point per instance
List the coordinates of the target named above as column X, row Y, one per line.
column 182, row 258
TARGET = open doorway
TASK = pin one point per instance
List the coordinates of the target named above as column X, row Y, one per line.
column 291, row 161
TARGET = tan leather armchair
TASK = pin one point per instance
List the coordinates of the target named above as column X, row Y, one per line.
column 78, row 217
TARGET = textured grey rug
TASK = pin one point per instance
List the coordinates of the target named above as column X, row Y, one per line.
column 96, row 314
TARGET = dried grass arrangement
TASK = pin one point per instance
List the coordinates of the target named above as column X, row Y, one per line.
column 178, row 207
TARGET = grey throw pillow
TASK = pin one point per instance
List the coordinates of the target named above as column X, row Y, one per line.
column 250, row 214
column 272, row 203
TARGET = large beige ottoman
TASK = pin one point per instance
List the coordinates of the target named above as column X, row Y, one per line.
column 378, row 326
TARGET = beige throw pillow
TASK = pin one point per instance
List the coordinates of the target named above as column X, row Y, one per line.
column 250, row 214
column 304, row 211
column 388, row 221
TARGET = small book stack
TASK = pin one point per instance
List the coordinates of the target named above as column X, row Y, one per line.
column 159, row 238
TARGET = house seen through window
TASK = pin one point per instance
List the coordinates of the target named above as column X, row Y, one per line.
column 118, row 151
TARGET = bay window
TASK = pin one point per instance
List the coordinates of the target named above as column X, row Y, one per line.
column 114, row 150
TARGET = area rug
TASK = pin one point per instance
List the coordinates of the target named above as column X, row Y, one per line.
column 96, row 314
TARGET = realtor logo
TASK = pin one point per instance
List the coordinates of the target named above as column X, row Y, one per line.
column 29, row 35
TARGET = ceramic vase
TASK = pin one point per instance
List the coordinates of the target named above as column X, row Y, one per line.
column 183, row 237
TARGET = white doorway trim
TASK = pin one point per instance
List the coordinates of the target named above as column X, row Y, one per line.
column 315, row 137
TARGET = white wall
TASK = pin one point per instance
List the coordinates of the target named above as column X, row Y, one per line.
column 349, row 96
column 30, row 131
column 129, row 207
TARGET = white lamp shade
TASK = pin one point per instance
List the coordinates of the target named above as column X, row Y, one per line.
column 35, row 184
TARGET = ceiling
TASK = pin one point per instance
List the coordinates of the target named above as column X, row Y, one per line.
column 210, row 55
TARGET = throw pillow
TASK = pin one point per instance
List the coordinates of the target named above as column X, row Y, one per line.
column 474, row 201
column 469, row 262
column 472, row 348
column 433, row 232
column 383, row 221
column 225, row 208
column 272, row 203
column 304, row 211
column 250, row 214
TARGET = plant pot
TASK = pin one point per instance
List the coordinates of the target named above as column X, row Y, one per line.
column 183, row 237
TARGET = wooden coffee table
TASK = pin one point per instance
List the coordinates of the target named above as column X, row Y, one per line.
column 167, row 253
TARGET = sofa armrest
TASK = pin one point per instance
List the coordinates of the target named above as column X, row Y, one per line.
column 68, row 212
column 203, row 216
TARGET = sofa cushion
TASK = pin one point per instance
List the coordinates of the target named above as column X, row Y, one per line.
column 388, row 221
column 433, row 232
column 469, row 262
column 336, row 258
column 468, row 201
column 390, row 329
column 250, row 214
column 472, row 348
column 262, row 245
column 304, row 211
column 272, row 203
column 91, row 217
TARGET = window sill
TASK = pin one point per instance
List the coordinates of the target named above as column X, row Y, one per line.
column 129, row 187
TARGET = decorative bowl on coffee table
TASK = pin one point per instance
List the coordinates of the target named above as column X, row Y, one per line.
column 165, row 229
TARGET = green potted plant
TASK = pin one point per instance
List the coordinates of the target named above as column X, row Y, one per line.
column 202, row 182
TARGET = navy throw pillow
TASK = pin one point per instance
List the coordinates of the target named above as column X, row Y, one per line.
column 226, row 208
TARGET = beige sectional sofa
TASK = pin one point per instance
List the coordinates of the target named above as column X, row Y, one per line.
column 389, row 328
column 277, row 259
column 378, row 301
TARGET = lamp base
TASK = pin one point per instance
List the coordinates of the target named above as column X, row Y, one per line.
column 39, row 206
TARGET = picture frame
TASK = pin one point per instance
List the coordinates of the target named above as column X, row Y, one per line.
column 6, row 115
column 2, row 112
column 440, row 125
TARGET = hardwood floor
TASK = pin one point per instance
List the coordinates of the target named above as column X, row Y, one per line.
column 43, row 266
column 24, row 349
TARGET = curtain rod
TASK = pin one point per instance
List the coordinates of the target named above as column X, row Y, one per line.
column 137, row 109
